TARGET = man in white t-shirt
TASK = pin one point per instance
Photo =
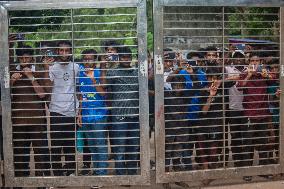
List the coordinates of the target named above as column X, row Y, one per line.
column 63, row 105
column 237, row 120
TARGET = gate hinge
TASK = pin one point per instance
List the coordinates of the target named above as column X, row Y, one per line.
column 1, row 167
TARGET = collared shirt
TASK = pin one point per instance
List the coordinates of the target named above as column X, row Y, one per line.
column 124, row 91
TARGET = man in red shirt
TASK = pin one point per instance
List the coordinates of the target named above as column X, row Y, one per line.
column 254, row 82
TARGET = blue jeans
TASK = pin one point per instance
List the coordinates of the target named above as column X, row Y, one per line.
column 126, row 141
column 96, row 134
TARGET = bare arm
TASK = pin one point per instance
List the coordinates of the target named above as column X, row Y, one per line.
column 99, row 88
column 103, row 79
column 79, row 118
column 48, row 84
column 213, row 90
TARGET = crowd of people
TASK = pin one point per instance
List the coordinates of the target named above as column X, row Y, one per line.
column 92, row 104
column 211, row 94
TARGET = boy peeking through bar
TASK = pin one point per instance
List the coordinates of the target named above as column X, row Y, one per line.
column 28, row 115
column 92, row 118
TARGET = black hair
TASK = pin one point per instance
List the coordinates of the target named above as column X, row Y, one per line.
column 238, row 55
column 125, row 51
column 178, row 78
column 169, row 54
column 210, row 72
column 90, row 52
column 64, row 42
column 167, row 49
column 193, row 54
column 252, row 54
column 202, row 52
column 46, row 44
column 111, row 43
column 211, row 48
column 25, row 50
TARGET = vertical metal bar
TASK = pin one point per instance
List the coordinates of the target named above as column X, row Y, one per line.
column 281, row 132
column 223, row 92
column 143, row 91
column 75, row 95
column 159, row 90
column 6, row 100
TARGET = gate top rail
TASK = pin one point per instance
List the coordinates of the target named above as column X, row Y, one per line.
column 71, row 4
column 260, row 3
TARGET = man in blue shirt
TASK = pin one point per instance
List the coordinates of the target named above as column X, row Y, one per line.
column 93, row 112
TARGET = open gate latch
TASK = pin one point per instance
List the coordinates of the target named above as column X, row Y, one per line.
column 282, row 71
column 159, row 64
column 7, row 78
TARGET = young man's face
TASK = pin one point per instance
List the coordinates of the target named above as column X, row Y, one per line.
column 25, row 60
column 64, row 52
column 213, row 79
column 89, row 61
column 184, row 64
column 178, row 87
column 125, row 61
column 168, row 63
column 111, row 50
column 239, row 61
column 254, row 60
column 211, row 56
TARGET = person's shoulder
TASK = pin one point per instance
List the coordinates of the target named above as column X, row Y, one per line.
column 182, row 72
column 111, row 72
column 200, row 72
column 54, row 66
column 76, row 65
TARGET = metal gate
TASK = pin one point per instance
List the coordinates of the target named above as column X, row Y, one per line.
column 89, row 25
column 193, row 141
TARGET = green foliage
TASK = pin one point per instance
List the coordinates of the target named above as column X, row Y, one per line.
column 92, row 27
column 253, row 22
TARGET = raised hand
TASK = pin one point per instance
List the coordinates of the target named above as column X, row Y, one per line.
column 47, row 62
column 278, row 93
column 264, row 73
column 91, row 75
column 16, row 76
